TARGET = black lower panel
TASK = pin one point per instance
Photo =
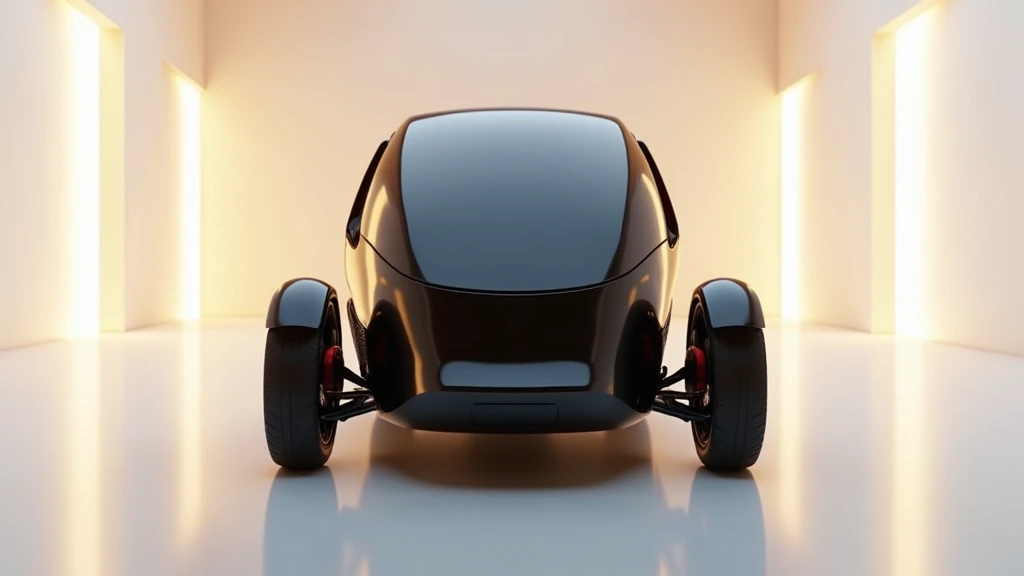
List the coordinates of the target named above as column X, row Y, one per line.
column 513, row 412
column 515, row 415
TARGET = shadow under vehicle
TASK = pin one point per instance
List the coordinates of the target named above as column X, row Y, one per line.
column 512, row 271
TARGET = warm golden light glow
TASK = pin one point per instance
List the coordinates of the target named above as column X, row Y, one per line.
column 190, row 118
column 112, row 175
column 83, row 481
column 791, row 473
column 377, row 207
column 793, row 102
column 85, row 174
column 910, row 101
column 910, row 521
column 652, row 191
column 190, row 440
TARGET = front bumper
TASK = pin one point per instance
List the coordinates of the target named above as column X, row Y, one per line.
column 570, row 361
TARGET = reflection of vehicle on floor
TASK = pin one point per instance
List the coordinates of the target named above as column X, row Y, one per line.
column 502, row 505
column 512, row 271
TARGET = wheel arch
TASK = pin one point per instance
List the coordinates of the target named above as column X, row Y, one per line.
column 301, row 302
column 728, row 302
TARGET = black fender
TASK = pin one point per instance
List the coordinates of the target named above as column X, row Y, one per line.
column 728, row 302
column 300, row 302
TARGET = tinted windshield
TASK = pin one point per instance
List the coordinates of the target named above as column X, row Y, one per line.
column 515, row 200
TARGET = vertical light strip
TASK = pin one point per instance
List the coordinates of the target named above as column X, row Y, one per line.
column 85, row 174
column 910, row 100
column 190, row 154
column 112, row 174
column 83, row 476
column 792, row 192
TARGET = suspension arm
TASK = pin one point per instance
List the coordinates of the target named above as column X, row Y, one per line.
column 678, row 376
column 350, row 409
column 682, row 411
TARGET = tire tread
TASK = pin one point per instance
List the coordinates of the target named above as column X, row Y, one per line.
column 291, row 399
column 739, row 396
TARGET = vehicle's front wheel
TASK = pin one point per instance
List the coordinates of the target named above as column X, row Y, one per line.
column 736, row 393
column 294, row 395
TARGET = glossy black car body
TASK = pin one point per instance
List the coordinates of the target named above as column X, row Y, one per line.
column 512, row 270
column 511, row 260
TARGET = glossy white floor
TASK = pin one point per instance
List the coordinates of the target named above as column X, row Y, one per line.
column 144, row 454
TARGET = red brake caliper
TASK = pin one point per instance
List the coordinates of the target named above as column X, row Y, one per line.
column 699, row 371
column 331, row 356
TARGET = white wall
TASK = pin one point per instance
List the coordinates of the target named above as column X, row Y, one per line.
column 33, row 159
column 974, row 178
column 299, row 94
column 34, row 177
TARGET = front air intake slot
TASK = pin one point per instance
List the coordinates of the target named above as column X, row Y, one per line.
column 358, row 338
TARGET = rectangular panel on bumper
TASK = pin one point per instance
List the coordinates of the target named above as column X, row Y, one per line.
column 556, row 374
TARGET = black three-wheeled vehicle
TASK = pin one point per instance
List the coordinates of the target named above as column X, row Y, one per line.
column 512, row 271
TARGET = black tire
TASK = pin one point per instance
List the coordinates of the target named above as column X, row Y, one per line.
column 292, row 399
column 737, row 394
